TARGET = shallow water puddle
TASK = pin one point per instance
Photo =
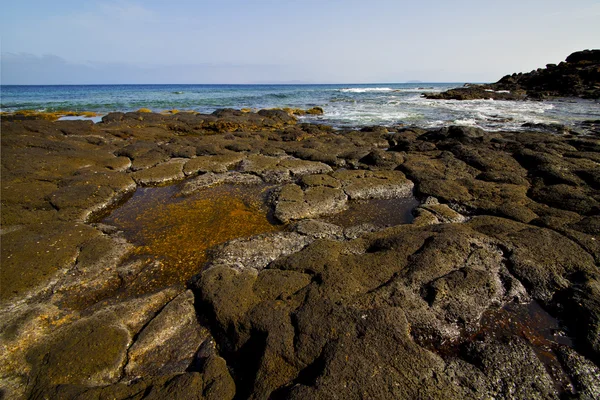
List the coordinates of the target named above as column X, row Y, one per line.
column 541, row 330
column 172, row 233
column 381, row 213
column 529, row 321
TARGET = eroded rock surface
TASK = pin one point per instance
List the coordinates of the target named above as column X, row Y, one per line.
column 315, row 310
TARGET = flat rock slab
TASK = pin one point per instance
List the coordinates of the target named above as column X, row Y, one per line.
column 46, row 251
column 211, row 179
column 281, row 169
column 81, row 195
column 90, row 351
column 171, row 170
column 168, row 342
column 323, row 194
column 257, row 252
column 212, row 163
column 294, row 203
column 363, row 185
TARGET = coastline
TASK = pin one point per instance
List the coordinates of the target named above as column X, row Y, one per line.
column 503, row 218
column 345, row 106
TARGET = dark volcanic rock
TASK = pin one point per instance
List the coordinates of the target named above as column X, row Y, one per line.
column 579, row 76
column 314, row 310
column 347, row 316
column 167, row 345
column 472, row 92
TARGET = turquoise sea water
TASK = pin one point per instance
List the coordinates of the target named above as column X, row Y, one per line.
column 344, row 105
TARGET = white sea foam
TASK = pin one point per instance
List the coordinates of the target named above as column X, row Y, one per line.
column 465, row 122
column 365, row 90
column 497, row 91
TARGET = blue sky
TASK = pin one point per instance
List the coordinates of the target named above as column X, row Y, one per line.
column 277, row 41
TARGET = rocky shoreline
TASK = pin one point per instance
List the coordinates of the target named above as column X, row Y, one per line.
column 577, row 76
column 505, row 221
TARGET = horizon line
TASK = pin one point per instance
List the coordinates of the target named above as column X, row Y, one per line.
column 238, row 84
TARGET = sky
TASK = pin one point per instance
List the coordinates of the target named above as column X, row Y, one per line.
column 287, row 41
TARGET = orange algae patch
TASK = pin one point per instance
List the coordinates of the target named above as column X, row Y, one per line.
column 172, row 233
column 51, row 115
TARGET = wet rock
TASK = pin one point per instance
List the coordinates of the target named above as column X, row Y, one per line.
column 214, row 384
column 25, row 201
column 315, row 111
column 553, row 218
column 443, row 214
column 513, row 369
column 518, row 212
column 475, row 194
column 375, row 129
column 465, row 294
column 317, row 311
column 547, row 128
column 179, row 150
column 552, row 168
column 211, row 179
column 581, row 307
column 167, row 344
column 458, row 133
column 586, row 375
column 424, row 217
column 589, row 225
column 475, row 93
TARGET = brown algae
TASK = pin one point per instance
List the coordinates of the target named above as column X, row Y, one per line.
column 172, row 233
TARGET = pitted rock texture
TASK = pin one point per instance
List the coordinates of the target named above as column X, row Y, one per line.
column 357, row 318
column 321, row 194
column 317, row 310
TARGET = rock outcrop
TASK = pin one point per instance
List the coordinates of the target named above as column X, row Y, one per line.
column 492, row 291
column 578, row 76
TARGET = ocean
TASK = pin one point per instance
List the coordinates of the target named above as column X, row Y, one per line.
column 344, row 104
